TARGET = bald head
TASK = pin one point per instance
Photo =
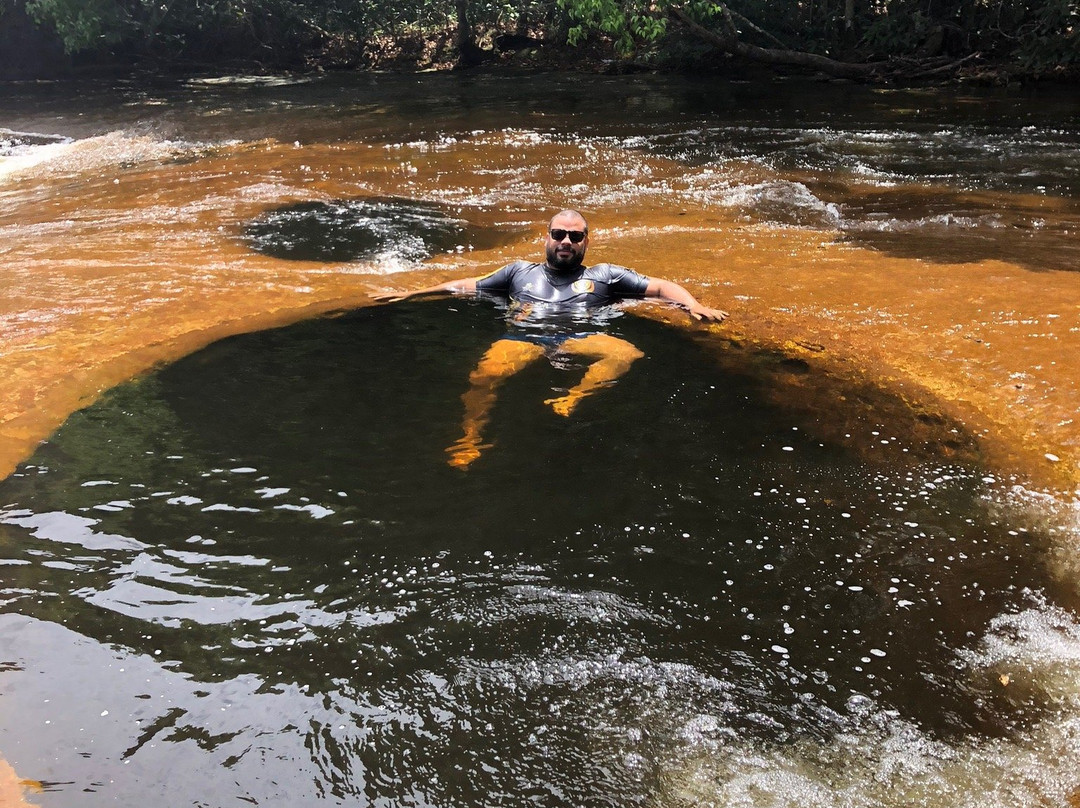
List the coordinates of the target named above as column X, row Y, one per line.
column 572, row 216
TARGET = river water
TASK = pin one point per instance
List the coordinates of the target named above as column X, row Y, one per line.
column 823, row 554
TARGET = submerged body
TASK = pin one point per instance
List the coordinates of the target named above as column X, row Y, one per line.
column 561, row 287
column 598, row 285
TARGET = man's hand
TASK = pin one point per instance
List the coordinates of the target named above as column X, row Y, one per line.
column 673, row 293
column 459, row 287
column 706, row 315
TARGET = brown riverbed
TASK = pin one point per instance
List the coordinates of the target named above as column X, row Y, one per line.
column 106, row 276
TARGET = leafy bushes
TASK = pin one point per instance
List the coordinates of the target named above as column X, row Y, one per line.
column 1037, row 37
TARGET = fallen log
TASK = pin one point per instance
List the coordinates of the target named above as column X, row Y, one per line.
column 727, row 41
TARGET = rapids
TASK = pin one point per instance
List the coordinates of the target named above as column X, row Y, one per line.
column 894, row 261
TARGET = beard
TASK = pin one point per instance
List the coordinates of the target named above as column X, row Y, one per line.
column 564, row 261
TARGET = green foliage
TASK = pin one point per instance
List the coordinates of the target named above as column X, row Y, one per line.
column 896, row 34
column 1049, row 37
column 630, row 23
column 83, row 25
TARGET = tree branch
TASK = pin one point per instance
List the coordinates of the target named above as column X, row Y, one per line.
column 774, row 56
column 945, row 68
column 749, row 24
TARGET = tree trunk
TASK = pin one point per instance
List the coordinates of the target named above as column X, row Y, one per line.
column 469, row 53
column 730, row 43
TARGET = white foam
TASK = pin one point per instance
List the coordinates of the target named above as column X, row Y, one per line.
column 780, row 200
column 880, row 759
column 23, row 158
column 252, row 81
column 88, row 155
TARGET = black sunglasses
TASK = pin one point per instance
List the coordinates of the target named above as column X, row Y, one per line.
column 576, row 236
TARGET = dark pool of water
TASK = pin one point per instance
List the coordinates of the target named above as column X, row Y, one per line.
column 681, row 562
column 369, row 228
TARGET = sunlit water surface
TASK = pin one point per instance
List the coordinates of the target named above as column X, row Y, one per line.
column 250, row 576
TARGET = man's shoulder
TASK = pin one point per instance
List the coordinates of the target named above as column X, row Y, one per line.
column 506, row 273
column 600, row 271
column 606, row 268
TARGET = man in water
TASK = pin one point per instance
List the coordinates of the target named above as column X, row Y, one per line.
column 556, row 310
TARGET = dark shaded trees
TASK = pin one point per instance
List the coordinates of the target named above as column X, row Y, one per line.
column 281, row 32
column 28, row 50
column 278, row 31
column 861, row 39
column 851, row 38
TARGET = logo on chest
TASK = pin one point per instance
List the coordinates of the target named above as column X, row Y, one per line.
column 583, row 286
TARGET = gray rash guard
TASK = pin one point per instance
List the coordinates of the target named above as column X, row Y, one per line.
column 583, row 287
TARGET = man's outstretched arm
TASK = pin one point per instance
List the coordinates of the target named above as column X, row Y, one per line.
column 673, row 293
column 462, row 286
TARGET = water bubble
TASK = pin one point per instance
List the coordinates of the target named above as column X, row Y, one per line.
column 860, row 704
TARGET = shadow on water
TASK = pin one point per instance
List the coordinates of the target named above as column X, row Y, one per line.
column 949, row 227
column 349, row 230
column 938, row 225
column 686, row 551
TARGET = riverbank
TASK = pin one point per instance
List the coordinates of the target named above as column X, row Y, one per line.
column 597, row 59
column 29, row 52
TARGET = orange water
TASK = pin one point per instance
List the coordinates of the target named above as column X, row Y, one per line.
column 110, row 269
